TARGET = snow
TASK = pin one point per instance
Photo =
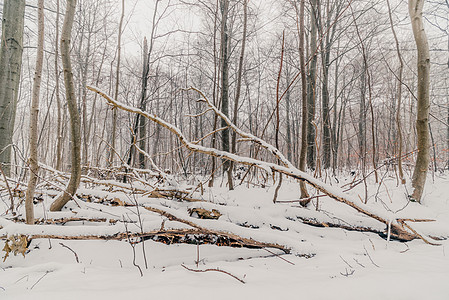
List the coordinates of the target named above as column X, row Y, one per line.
column 329, row 263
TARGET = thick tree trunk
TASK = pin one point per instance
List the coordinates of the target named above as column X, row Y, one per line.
column 10, row 67
column 75, row 122
column 422, row 127
column 34, row 116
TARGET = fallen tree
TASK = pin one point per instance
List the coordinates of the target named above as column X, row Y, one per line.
column 195, row 235
column 395, row 227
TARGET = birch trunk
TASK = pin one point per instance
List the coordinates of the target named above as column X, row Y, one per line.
column 10, row 67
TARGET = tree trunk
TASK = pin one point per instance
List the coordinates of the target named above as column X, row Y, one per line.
column 143, row 105
column 58, row 99
column 75, row 122
column 399, row 99
column 303, row 152
column 422, row 128
column 325, row 108
column 215, row 95
column 362, row 116
column 334, row 134
column 117, row 80
column 10, row 67
column 287, row 115
column 239, row 82
column 34, row 116
column 225, row 86
column 311, row 86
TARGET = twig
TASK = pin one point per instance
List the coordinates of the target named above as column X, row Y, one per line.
column 213, row 270
column 76, row 255
column 22, row 278
column 346, row 262
column 133, row 246
column 140, row 225
column 408, row 248
column 46, row 272
column 347, row 274
column 366, row 251
column 358, row 263
column 278, row 256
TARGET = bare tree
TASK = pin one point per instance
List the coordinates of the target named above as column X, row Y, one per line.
column 422, row 121
column 34, row 116
column 59, row 128
column 304, row 130
column 117, row 80
column 399, row 97
column 239, row 81
column 224, row 60
column 311, row 84
column 11, row 50
column 75, row 122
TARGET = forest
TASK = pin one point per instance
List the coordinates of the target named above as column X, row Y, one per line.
column 224, row 148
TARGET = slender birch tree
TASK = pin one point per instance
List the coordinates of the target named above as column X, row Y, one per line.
column 34, row 116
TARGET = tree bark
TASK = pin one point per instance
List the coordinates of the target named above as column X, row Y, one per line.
column 139, row 123
column 311, row 85
column 117, row 80
column 399, row 99
column 10, row 68
column 225, row 86
column 34, row 116
column 325, row 60
column 59, row 127
column 75, row 122
column 143, row 105
column 239, row 81
column 303, row 152
column 422, row 128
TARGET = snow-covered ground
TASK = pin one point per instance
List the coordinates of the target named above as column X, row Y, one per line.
column 325, row 263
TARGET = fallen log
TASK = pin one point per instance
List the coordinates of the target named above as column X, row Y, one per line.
column 172, row 236
column 393, row 226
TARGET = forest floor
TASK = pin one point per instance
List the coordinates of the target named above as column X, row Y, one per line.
column 324, row 263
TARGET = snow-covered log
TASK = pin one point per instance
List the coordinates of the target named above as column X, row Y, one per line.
column 394, row 227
